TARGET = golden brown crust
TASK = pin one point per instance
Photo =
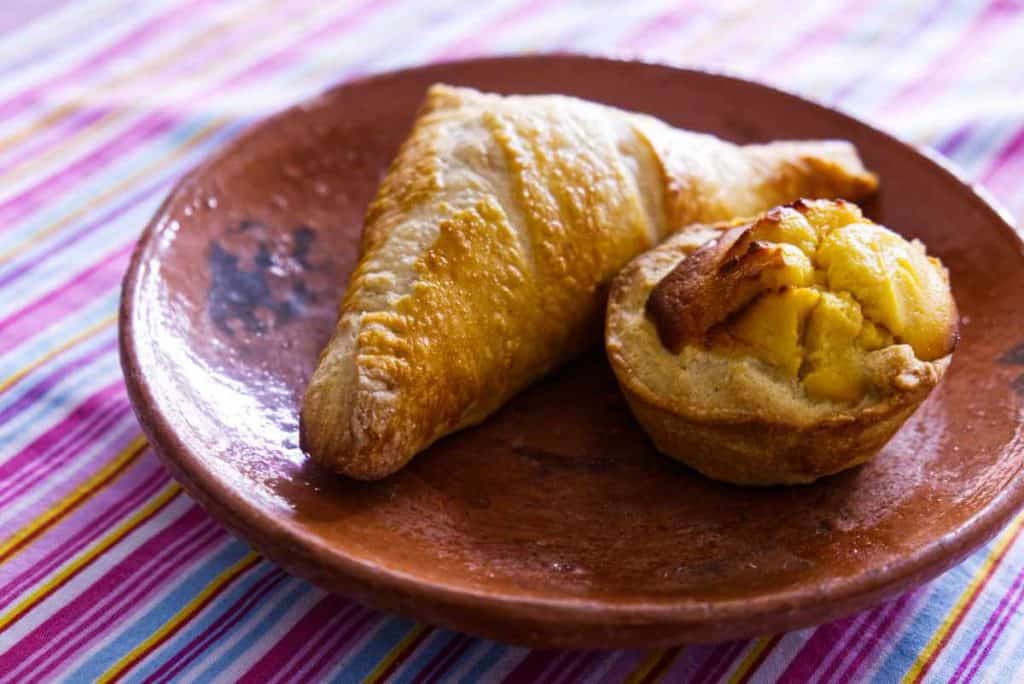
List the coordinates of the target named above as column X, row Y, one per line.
column 732, row 419
column 488, row 250
column 704, row 289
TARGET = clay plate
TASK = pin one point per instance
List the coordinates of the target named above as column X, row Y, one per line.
column 555, row 523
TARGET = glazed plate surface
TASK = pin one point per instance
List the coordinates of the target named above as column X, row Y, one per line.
column 555, row 523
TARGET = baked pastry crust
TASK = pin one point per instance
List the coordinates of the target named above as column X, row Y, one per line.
column 487, row 253
column 731, row 416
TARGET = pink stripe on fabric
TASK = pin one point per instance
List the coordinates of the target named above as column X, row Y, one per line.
column 52, row 137
column 152, row 125
column 90, row 65
column 436, row 666
column 877, row 633
column 952, row 60
column 822, row 642
column 660, row 26
column 337, row 648
column 534, row 666
column 67, row 238
column 991, row 632
column 228, row 619
column 918, row 29
column 718, row 661
column 32, row 198
column 859, row 641
column 52, row 446
column 137, row 575
column 78, row 532
column 814, row 38
column 155, row 127
column 1002, row 160
column 289, row 55
column 62, row 372
column 46, row 470
column 309, row 650
column 485, row 35
column 583, row 662
column 267, row 667
column 80, row 290
column 625, row 662
column 128, row 606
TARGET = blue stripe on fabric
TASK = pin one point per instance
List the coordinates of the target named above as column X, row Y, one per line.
column 203, row 621
column 156, row 616
column 291, row 593
column 364, row 662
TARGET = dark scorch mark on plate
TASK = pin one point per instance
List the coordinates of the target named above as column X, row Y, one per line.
column 258, row 283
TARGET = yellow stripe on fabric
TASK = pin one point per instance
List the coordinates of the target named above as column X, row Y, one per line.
column 119, row 533
column 80, row 337
column 133, row 657
column 95, row 129
column 748, row 661
column 382, row 667
column 76, row 498
column 145, row 69
column 646, row 666
column 930, row 651
column 161, row 163
column 115, row 190
column 141, row 69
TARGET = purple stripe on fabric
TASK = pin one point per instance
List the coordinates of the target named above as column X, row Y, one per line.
column 79, row 291
column 28, row 200
column 91, row 65
column 130, row 603
column 298, row 636
column 859, row 642
column 484, row 36
column 55, row 452
column 951, row 144
column 821, row 643
column 342, row 643
column 436, row 666
column 625, row 662
column 665, row 23
column 323, row 636
column 877, row 633
column 990, row 633
column 952, row 58
column 136, row 575
column 53, row 136
column 69, row 238
column 101, row 408
column 34, row 393
column 345, row 22
column 534, row 665
column 298, row 658
column 1001, row 161
column 61, row 453
column 228, row 619
column 113, row 504
column 583, row 662
column 815, row 37
column 914, row 29
column 718, row 661
column 289, row 55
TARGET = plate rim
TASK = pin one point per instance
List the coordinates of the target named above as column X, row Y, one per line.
column 246, row 518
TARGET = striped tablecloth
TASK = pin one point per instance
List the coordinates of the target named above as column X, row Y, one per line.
column 107, row 570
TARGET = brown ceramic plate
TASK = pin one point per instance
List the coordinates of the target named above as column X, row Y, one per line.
column 555, row 522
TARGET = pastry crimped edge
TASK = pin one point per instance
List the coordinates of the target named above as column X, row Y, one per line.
column 794, row 440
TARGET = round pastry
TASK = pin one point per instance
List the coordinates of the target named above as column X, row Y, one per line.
column 782, row 349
